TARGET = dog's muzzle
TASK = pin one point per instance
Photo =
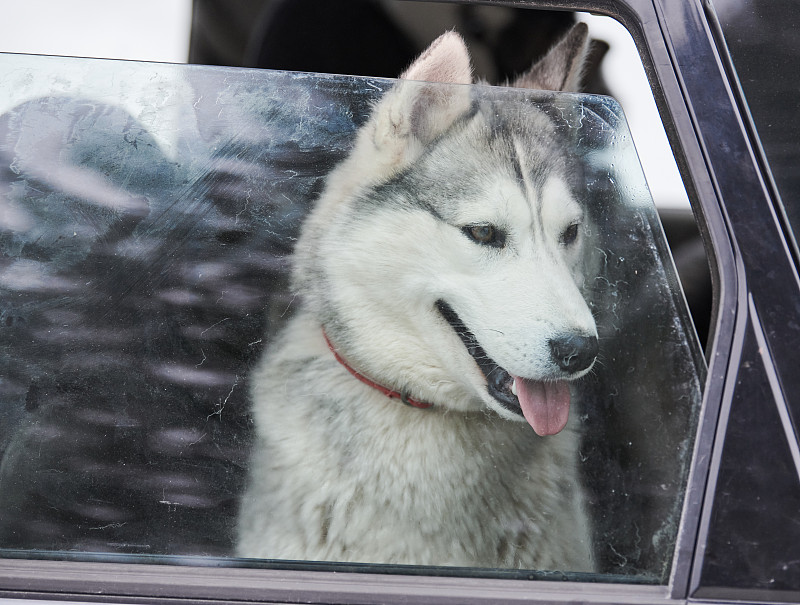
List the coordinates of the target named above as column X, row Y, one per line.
column 544, row 404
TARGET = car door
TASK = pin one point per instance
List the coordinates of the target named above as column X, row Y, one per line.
column 665, row 471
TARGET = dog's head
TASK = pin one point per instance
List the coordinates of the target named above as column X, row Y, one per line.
column 446, row 255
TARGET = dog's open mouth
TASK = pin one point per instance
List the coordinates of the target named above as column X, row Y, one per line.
column 544, row 404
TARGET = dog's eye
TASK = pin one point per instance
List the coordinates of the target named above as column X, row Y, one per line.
column 570, row 234
column 485, row 234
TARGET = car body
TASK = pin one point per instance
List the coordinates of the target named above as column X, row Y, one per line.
column 739, row 533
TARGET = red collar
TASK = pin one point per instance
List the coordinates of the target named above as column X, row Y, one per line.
column 388, row 392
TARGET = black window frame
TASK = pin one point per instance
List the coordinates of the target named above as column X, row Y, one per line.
column 699, row 109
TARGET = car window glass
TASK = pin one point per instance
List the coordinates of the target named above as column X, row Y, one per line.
column 503, row 42
column 150, row 213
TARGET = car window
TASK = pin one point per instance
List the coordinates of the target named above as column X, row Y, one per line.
column 173, row 387
column 503, row 42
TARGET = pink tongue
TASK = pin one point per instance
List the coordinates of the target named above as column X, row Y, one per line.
column 545, row 405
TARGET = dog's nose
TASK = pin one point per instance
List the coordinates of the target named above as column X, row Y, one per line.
column 573, row 353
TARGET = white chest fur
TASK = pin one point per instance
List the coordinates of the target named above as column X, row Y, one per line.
column 343, row 473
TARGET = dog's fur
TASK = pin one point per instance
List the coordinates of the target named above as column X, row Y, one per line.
column 448, row 247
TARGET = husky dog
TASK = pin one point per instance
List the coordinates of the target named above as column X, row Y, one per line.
column 442, row 267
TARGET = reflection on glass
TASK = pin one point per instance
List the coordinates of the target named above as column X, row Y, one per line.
column 149, row 214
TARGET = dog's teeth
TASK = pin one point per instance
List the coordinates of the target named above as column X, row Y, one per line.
column 514, row 387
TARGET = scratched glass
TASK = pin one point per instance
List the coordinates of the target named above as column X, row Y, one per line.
column 147, row 219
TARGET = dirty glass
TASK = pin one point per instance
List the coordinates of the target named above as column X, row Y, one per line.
column 148, row 217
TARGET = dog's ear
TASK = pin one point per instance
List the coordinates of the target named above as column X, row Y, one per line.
column 408, row 117
column 445, row 60
column 562, row 67
column 417, row 109
column 428, row 110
